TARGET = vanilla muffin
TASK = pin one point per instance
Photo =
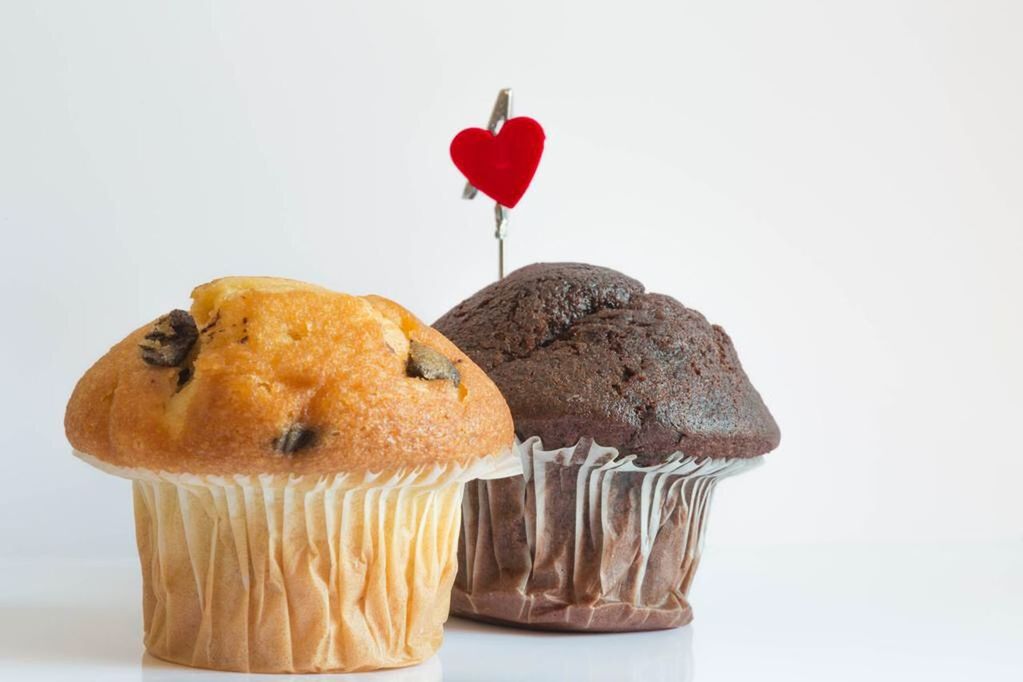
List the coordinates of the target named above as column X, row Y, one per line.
column 297, row 458
column 630, row 408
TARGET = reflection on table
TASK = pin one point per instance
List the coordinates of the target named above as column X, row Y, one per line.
column 155, row 670
column 516, row 655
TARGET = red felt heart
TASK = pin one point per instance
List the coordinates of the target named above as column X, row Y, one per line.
column 501, row 166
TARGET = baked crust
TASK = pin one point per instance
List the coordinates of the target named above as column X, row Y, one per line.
column 274, row 355
column 582, row 351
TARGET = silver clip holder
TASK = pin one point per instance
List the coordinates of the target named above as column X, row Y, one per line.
column 500, row 113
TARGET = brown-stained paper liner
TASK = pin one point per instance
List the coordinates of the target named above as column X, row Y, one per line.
column 586, row 539
column 277, row 573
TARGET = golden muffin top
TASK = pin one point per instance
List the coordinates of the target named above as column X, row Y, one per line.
column 269, row 375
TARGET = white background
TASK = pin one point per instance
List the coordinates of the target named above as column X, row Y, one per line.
column 839, row 184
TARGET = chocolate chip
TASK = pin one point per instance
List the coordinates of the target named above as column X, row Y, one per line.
column 185, row 375
column 294, row 439
column 426, row 363
column 170, row 340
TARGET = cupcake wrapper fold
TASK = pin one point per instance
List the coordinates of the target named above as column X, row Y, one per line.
column 586, row 539
column 272, row 573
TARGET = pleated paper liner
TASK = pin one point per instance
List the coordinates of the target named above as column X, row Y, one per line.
column 277, row 573
column 586, row 539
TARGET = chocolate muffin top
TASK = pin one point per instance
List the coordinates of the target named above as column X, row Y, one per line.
column 581, row 351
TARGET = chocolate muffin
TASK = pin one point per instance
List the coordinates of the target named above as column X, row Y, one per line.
column 629, row 408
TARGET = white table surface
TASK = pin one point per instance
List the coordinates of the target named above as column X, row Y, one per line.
column 800, row 613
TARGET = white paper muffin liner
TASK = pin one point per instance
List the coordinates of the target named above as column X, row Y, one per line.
column 281, row 573
column 586, row 539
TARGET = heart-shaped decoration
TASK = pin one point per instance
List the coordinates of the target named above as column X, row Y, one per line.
column 502, row 165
